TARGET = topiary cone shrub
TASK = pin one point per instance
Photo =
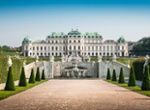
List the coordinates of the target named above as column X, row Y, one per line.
column 43, row 75
column 10, row 81
column 146, row 79
column 121, row 76
column 132, row 81
column 32, row 78
column 114, row 77
column 37, row 78
column 22, row 80
column 108, row 74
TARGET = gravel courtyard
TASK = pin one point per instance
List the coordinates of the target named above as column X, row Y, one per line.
column 76, row 95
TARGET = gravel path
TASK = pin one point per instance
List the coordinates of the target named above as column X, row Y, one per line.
column 76, row 95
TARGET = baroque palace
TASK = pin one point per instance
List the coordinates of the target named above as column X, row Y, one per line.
column 88, row 44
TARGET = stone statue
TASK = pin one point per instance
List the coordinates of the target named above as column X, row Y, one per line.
column 24, row 63
column 63, row 58
column 146, row 60
column 36, row 59
column 9, row 61
column 89, row 58
column 100, row 58
column 128, row 63
column 114, row 58
column 51, row 58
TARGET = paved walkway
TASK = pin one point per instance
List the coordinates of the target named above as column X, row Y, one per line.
column 76, row 95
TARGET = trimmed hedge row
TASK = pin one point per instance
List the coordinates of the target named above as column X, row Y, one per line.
column 16, row 67
column 138, row 68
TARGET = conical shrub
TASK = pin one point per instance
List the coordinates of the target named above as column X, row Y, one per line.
column 132, row 80
column 10, row 81
column 146, row 79
column 37, row 78
column 43, row 75
column 114, row 77
column 108, row 74
column 32, row 78
column 121, row 76
column 22, row 81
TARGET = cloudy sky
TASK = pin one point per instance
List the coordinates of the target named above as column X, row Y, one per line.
column 38, row 18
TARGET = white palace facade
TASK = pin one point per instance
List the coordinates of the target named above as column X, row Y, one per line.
column 88, row 44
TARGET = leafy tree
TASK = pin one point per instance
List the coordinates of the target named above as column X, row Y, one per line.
column 121, row 76
column 43, row 75
column 10, row 81
column 132, row 81
column 114, row 77
column 22, row 81
column 108, row 74
column 37, row 78
column 146, row 79
column 32, row 78
column 142, row 47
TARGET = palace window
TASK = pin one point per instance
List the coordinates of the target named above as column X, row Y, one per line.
column 41, row 48
column 37, row 48
column 79, row 47
column 56, row 48
column 107, row 47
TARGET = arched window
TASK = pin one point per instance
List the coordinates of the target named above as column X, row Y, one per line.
column 56, row 48
column 70, row 47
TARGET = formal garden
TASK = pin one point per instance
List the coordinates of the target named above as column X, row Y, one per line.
column 138, row 71
column 14, row 70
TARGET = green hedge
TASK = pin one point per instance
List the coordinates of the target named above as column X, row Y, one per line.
column 138, row 68
column 16, row 67
column 3, row 69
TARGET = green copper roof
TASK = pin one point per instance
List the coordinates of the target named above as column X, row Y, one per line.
column 26, row 40
column 92, row 35
column 39, row 41
column 74, row 33
column 56, row 35
column 121, row 40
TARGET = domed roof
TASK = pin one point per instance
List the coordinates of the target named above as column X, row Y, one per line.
column 121, row 40
column 74, row 32
column 26, row 40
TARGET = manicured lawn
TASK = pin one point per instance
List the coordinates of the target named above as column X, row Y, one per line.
column 5, row 94
column 135, row 89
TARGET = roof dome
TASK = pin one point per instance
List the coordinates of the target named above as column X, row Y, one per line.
column 26, row 40
column 74, row 32
column 121, row 40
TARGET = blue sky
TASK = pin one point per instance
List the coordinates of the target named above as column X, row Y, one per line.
column 38, row 18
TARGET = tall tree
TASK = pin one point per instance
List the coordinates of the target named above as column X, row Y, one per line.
column 108, row 74
column 37, row 78
column 32, row 78
column 121, row 76
column 43, row 75
column 132, row 80
column 114, row 77
column 22, row 81
column 146, row 79
column 10, row 81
